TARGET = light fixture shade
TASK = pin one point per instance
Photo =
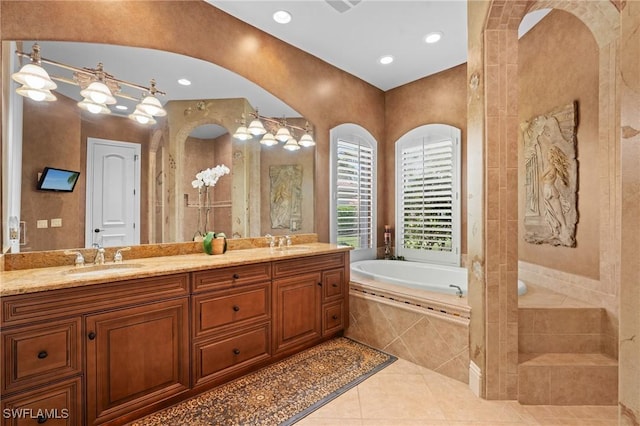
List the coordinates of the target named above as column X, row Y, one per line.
column 306, row 141
column 151, row 105
column 37, row 95
column 99, row 93
column 256, row 128
column 283, row 134
column 292, row 144
column 142, row 117
column 93, row 107
column 242, row 134
column 268, row 139
column 33, row 76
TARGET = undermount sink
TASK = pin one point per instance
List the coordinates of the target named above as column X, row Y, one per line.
column 102, row 269
column 293, row 249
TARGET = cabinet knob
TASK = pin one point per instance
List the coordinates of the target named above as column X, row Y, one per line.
column 236, row 351
column 236, row 276
column 91, row 335
column 320, row 284
column 334, row 285
column 236, row 308
column 42, row 419
column 42, row 354
column 335, row 317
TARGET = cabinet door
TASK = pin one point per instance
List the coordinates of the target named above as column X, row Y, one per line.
column 296, row 310
column 136, row 357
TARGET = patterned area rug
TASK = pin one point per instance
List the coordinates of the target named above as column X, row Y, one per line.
column 280, row 394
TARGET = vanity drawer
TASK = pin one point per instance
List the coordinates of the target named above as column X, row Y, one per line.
column 40, row 353
column 233, row 276
column 231, row 353
column 58, row 404
column 332, row 318
column 221, row 310
column 333, row 284
column 283, row 268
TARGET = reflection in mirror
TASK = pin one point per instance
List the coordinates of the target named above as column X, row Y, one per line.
column 55, row 134
column 207, row 208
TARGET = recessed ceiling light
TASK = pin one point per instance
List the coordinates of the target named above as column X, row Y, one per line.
column 386, row 59
column 433, row 37
column 122, row 107
column 282, row 17
column 184, row 82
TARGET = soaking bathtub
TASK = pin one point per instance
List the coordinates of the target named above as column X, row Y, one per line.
column 426, row 276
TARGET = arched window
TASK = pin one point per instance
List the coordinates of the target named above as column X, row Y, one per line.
column 428, row 194
column 353, row 190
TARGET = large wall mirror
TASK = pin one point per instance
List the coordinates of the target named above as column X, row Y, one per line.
column 267, row 189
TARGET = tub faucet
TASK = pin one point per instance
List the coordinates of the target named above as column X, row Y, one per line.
column 458, row 289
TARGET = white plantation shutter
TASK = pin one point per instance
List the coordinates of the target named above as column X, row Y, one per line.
column 353, row 185
column 354, row 190
column 428, row 208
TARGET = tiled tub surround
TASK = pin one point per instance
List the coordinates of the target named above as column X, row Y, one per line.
column 429, row 329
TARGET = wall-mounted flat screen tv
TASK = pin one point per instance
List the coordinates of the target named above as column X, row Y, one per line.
column 53, row 179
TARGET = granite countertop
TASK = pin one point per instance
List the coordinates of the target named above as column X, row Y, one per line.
column 59, row 277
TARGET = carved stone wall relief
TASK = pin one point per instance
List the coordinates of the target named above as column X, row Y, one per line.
column 551, row 177
column 286, row 196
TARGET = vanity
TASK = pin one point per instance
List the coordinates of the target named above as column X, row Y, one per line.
column 109, row 345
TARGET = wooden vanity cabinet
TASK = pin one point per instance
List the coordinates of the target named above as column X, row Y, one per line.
column 91, row 354
column 112, row 352
column 310, row 300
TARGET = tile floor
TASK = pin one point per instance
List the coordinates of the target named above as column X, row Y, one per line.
column 406, row 394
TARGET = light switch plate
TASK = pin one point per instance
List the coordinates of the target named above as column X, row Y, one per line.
column 56, row 223
column 42, row 223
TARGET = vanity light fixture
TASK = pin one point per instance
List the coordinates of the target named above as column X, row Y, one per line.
column 98, row 87
column 273, row 131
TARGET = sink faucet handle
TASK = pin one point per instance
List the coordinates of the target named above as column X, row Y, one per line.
column 117, row 258
column 79, row 257
column 271, row 240
column 287, row 239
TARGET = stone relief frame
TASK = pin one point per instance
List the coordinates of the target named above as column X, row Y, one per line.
column 551, row 177
column 286, row 196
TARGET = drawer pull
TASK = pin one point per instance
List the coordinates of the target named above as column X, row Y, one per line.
column 42, row 419
column 92, row 335
column 236, row 308
column 335, row 317
column 236, row 276
column 236, row 351
column 42, row 354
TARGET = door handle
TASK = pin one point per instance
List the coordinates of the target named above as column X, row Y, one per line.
column 98, row 230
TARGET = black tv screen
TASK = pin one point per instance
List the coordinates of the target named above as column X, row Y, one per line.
column 53, row 179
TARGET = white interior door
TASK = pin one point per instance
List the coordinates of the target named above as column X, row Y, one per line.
column 113, row 188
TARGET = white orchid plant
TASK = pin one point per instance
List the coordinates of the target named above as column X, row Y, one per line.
column 209, row 177
column 206, row 179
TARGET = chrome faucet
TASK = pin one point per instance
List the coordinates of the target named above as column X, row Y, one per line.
column 99, row 259
column 458, row 289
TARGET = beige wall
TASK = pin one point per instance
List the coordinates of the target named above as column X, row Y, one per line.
column 558, row 64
